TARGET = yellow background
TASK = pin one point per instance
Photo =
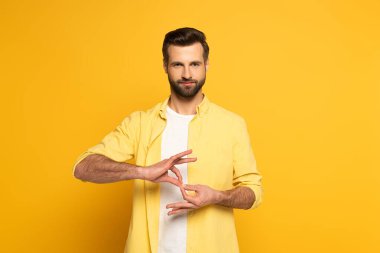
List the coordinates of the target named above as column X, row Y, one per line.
column 304, row 74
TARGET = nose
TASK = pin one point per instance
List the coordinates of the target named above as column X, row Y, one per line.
column 186, row 73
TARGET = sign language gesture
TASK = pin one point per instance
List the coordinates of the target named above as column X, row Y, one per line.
column 158, row 172
column 240, row 197
column 204, row 196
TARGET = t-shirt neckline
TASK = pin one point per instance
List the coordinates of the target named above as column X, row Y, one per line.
column 171, row 111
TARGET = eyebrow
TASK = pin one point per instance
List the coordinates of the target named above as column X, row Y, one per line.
column 177, row 62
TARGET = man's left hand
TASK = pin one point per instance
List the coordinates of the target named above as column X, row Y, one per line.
column 203, row 196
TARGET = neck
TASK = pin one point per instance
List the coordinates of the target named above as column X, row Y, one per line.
column 184, row 105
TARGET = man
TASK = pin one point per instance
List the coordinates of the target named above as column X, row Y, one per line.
column 180, row 203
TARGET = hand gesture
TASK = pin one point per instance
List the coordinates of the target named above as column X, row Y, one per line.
column 158, row 172
column 204, row 196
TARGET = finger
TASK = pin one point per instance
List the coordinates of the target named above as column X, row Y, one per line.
column 183, row 192
column 185, row 160
column 175, row 209
column 178, row 211
column 171, row 180
column 191, row 199
column 179, row 155
column 191, row 187
column 177, row 173
column 183, row 204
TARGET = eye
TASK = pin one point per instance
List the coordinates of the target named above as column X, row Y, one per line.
column 195, row 64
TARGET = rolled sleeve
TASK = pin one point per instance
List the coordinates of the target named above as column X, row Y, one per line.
column 118, row 145
column 245, row 168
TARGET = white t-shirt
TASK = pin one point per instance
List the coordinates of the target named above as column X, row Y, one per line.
column 173, row 229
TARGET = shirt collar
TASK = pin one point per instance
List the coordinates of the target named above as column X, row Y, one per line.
column 201, row 108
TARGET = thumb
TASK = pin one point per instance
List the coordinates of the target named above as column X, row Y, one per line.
column 190, row 187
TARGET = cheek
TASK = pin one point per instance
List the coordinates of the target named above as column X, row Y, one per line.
column 201, row 73
column 173, row 74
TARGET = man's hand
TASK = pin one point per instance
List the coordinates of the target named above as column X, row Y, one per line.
column 158, row 172
column 204, row 196
column 239, row 197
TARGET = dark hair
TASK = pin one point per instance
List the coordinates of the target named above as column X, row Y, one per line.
column 185, row 36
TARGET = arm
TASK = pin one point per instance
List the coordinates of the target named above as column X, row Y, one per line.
column 101, row 169
column 239, row 197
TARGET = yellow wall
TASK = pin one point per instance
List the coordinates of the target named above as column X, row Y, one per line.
column 304, row 74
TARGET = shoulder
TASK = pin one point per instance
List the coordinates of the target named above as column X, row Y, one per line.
column 226, row 115
column 231, row 124
column 139, row 117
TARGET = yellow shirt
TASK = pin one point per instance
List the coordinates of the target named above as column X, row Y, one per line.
column 220, row 141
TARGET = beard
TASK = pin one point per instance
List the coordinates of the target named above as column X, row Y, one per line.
column 183, row 91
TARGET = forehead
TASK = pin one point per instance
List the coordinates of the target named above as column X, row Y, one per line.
column 186, row 53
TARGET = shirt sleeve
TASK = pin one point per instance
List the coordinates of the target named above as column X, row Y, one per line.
column 245, row 168
column 118, row 145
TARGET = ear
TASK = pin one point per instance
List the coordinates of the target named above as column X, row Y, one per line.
column 206, row 64
column 165, row 67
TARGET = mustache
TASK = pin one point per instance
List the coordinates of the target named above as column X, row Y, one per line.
column 186, row 81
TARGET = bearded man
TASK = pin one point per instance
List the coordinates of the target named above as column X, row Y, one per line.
column 180, row 203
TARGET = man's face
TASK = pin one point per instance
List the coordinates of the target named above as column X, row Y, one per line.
column 186, row 69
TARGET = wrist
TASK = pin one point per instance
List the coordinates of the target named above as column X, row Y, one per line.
column 140, row 173
column 131, row 171
column 224, row 198
column 220, row 197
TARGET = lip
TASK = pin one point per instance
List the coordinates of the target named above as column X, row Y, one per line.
column 186, row 83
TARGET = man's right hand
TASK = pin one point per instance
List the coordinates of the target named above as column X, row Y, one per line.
column 158, row 172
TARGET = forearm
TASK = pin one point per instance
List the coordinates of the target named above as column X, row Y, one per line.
column 100, row 169
column 240, row 197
